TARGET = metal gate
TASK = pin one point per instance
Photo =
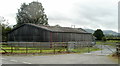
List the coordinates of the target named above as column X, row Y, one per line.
column 107, row 48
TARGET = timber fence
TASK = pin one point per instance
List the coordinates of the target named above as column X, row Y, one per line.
column 42, row 47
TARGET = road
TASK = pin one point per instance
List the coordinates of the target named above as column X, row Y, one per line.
column 87, row 58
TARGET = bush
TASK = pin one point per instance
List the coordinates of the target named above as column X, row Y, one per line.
column 104, row 39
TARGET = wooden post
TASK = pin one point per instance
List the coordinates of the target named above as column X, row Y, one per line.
column 40, row 48
column 88, row 47
column 118, row 49
column 11, row 48
column 101, row 48
column 50, row 39
column 54, row 48
column 26, row 48
column 67, row 47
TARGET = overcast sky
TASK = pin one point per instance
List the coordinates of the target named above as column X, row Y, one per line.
column 90, row 14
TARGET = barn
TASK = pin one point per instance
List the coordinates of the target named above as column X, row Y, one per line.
column 40, row 33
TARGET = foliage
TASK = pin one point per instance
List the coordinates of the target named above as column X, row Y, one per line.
column 5, row 28
column 98, row 34
column 31, row 13
column 57, row 25
column 104, row 39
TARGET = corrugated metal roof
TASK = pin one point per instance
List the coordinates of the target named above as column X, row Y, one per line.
column 55, row 28
column 59, row 29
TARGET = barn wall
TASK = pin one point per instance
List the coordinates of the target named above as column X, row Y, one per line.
column 67, row 37
column 29, row 33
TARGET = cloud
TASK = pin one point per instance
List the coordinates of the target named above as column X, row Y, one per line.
column 91, row 14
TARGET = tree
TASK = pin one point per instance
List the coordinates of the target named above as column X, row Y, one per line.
column 2, row 19
column 31, row 13
column 104, row 39
column 5, row 28
column 98, row 34
column 57, row 25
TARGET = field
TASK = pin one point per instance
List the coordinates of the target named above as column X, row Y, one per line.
column 110, row 43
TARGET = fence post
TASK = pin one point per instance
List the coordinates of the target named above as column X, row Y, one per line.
column 54, row 48
column 88, row 47
column 11, row 48
column 26, row 48
column 101, row 48
column 67, row 47
column 118, row 49
column 80, row 46
column 40, row 48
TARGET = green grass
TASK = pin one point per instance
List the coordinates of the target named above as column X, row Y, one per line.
column 85, row 49
column 110, row 43
column 113, row 41
column 31, row 49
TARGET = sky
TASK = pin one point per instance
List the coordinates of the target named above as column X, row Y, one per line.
column 87, row 14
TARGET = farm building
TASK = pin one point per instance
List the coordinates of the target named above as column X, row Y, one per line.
column 40, row 33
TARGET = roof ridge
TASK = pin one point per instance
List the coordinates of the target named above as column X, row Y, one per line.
column 55, row 29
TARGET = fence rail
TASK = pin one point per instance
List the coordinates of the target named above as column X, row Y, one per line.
column 42, row 47
column 33, row 47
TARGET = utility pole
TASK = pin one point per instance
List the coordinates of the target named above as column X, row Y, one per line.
column 73, row 26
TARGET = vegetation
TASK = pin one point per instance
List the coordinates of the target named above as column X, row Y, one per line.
column 5, row 28
column 85, row 49
column 98, row 34
column 31, row 13
column 108, row 42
